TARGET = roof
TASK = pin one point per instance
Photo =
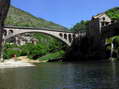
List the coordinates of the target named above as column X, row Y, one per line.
column 100, row 15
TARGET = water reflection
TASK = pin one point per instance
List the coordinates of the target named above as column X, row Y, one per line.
column 113, row 62
column 62, row 76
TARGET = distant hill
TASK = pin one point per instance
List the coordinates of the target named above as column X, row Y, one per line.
column 18, row 17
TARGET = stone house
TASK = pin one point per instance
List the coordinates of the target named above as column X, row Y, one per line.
column 97, row 22
column 23, row 39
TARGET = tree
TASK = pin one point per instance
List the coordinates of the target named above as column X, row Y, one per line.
column 82, row 26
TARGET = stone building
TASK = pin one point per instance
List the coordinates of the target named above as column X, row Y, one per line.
column 25, row 38
column 97, row 22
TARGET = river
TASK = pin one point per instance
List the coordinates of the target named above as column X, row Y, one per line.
column 90, row 75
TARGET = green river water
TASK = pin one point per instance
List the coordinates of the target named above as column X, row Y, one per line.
column 90, row 75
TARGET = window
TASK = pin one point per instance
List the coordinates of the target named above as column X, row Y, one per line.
column 103, row 24
column 103, row 18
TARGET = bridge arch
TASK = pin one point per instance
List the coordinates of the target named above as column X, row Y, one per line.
column 56, row 34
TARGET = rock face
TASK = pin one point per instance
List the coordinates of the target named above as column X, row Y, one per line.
column 4, row 6
column 86, row 48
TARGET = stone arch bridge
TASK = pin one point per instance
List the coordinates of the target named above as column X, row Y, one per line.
column 65, row 36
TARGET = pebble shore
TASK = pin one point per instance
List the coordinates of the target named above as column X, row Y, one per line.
column 14, row 64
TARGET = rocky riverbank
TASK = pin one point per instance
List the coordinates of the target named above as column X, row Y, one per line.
column 22, row 61
column 14, row 64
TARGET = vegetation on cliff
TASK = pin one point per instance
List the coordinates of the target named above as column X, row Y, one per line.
column 113, row 13
column 80, row 26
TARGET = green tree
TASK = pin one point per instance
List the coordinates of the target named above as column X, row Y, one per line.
column 113, row 13
column 82, row 26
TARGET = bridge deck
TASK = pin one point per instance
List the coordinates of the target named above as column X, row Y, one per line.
column 31, row 28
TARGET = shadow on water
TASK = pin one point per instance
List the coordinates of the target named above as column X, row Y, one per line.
column 113, row 62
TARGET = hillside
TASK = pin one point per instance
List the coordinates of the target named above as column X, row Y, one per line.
column 18, row 17
column 46, row 44
column 113, row 13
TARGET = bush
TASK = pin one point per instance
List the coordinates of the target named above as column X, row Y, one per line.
column 54, row 55
column 33, row 50
column 10, row 52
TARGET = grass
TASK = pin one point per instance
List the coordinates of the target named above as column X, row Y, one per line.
column 58, row 54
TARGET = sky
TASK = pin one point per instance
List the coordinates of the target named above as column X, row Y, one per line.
column 65, row 12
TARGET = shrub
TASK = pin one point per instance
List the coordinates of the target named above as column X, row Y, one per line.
column 10, row 52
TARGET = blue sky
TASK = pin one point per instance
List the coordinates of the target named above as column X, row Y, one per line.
column 65, row 12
